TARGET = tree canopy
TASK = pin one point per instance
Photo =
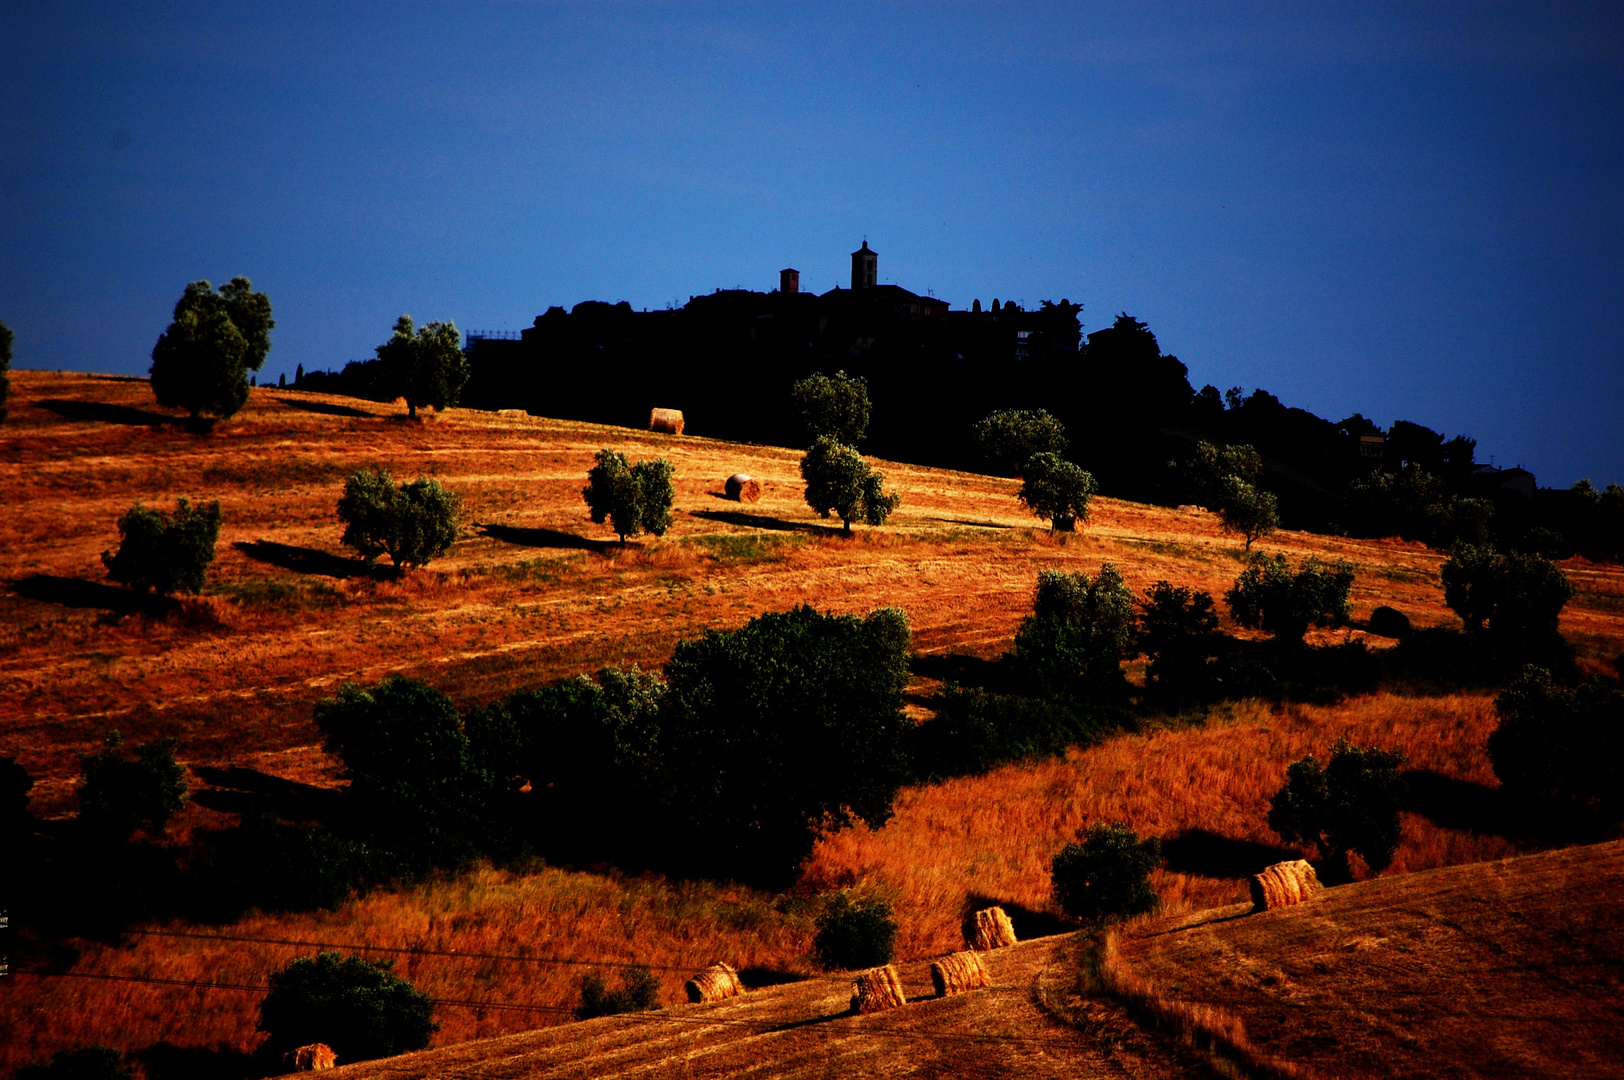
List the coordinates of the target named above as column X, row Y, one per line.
column 1008, row 439
column 425, row 365
column 215, row 338
column 634, row 499
column 1269, row 596
column 832, row 406
column 1349, row 805
column 1079, row 632
column 358, row 1007
column 839, row 481
column 1056, row 489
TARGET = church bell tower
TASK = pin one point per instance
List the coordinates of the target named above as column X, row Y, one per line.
column 865, row 267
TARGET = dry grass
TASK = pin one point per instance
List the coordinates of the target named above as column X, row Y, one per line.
column 536, row 593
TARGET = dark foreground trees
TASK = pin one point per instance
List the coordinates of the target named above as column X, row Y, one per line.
column 1349, row 805
column 201, row 362
column 165, row 552
column 1561, row 744
column 358, row 1007
column 413, row 523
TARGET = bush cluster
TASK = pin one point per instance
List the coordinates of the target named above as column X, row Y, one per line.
column 854, row 934
column 639, row 992
column 634, row 499
column 1269, row 596
column 1562, row 744
column 358, row 1007
column 1512, row 600
column 164, row 552
column 1079, row 633
column 411, row 523
column 119, row 794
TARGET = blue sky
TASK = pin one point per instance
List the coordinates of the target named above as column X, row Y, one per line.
column 1410, row 211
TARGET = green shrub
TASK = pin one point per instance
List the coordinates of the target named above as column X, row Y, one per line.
column 1350, row 805
column 358, row 1007
column 789, row 725
column 119, row 794
column 854, row 935
column 412, row 524
column 1560, row 743
column 639, row 991
column 635, row 499
column 164, row 552
column 1107, row 874
column 1008, row 439
column 1077, row 636
column 1054, row 488
column 834, row 407
column 81, row 1063
column 1268, row 596
column 839, row 481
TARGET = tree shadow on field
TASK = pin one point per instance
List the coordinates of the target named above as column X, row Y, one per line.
column 765, row 521
column 103, row 412
column 1028, row 922
column 325, row 408
column 78, row 593
column 974, row 524
column 303, row 560
column 166, row 1061
column 971, row 672
column 548, row 538
column 1208, row 854
column 239, row 790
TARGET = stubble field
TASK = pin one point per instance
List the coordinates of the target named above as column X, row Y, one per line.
column 535, row 592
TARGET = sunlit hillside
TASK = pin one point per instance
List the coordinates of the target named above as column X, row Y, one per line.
column 536, row 592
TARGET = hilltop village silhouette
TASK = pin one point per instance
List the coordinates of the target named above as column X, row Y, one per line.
column 728, row 358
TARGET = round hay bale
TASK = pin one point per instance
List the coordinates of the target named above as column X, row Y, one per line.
column 1284, row 884
column 314, row 1057
column 714, row 983
column 993, row 929
column 741, row 487
column 958, row 972
column 668, row 421
column 877, row 991
column 1389, row 622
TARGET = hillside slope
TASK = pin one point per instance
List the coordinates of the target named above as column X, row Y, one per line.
column 1507, row 968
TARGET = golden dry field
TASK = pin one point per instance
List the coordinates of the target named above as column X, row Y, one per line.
column 534, row 593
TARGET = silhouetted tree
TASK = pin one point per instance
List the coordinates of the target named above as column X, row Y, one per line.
column 1009, row 438
column 1178, row 632
column 1519, row 595
column 120, row 794
column 838, row 480
column 1268, row 596
column 1077, row 636
column 1561, row 743
column 634, row 498
column 5, row 368
column 1106, row 875
column 414, row 784
column 1350, row 805
column 426, row 367
column 165, row 552
column 413, row 523
column 789, row 725
column 358, row 1007
column 201, row 362
column 834, row 407
column 1055, row 489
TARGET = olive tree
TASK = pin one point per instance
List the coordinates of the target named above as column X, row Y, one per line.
column 215, row 338
column 835, row 407
column 1269, row 596
column 119, row 794
column 1079, row 632
column 634, row 499
column 839, row 481
column 1009, row 438
column 412, row 523
column 1514, row 598
column 1056, row 489
column 1351, row 804
column 165, row 552
column 1565, row 744
column 424, row 364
